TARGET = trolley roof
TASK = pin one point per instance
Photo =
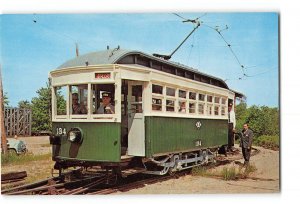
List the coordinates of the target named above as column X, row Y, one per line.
column 121, row 56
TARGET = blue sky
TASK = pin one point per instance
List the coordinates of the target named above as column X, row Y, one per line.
column 29, row 51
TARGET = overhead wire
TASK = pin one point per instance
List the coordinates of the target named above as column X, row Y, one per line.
column 219, row 31
column 189, row 20
column 35, row 21
column 196, row 23
column 261, row 73
column 228, row 45
column 179, row 16
column 65, row 36
column 246, row 76
column 192, row 46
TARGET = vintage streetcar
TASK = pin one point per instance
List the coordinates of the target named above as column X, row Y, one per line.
column 163, row 116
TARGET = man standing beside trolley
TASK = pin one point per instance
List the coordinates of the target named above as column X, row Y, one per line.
column 231, row 127
column 246, row 143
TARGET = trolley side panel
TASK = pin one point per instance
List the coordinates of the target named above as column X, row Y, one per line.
column 167, row 135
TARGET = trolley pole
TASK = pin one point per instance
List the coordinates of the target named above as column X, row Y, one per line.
column 2, row 128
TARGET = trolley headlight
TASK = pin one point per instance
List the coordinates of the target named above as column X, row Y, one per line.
column 75, row 135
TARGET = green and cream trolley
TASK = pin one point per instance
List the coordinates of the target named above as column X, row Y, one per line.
column 167, row 116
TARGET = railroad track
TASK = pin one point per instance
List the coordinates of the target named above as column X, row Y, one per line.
column 98, row 183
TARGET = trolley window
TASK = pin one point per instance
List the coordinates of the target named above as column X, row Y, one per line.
column 223, row 101
column 217, row 108
column 170, row 105
column 201, row 108
column 136, row 99
column 157, row 89
column 156, row 104
column 182, row 94
column 201, row 97
column 217, row 99
column 103, row 98
column 192, row 107
column 223, row 110
column 209, row 98
column 79, row 94
column 182, row 107
column 192, row 96
column 170, row 92
column 61, row 100
column 209, row 109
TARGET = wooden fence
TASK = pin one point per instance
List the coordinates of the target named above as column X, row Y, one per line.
column 17, row 121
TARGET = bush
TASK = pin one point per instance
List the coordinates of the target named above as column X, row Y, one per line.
column 267, row 141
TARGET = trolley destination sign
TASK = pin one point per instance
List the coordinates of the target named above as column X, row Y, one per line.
column 102, row 75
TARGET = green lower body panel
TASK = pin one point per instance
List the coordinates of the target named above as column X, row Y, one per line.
column 101, row 142
column 168, row 134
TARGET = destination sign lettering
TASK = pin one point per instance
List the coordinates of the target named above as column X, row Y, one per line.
column 102, row 75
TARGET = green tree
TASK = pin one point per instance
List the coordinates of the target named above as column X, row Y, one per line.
column 41, row 110
column 5, row 100
column 24, row 104
column 262, row 120
column 61, row 103
column 241, row 115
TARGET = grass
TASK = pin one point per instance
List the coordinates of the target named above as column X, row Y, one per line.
column 247, row 171
column 12, row 158
column 232, row 173
column 227, row 173
column 38, row 167
column 200, row 171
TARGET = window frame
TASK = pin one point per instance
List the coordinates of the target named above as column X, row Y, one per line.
column 54, row 102
column 80, row 116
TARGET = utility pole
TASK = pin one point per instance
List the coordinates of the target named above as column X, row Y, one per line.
column 2, row 128
column 77, row 50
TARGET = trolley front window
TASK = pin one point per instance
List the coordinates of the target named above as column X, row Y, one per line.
column 103, row 98
column 79, row 95
column 61, row 100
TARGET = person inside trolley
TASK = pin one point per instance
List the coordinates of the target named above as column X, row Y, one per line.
column 106, row 107
column 77, row 108
column 182, row 107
